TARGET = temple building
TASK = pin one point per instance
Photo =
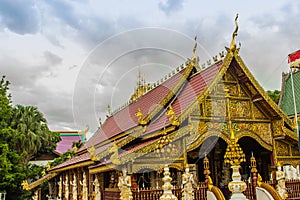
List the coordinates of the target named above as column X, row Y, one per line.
column 290, row 89
column 198, row 117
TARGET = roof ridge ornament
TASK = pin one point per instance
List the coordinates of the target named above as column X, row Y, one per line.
column 233, row 48
column 172, row 116
column 140, row 117
column 195, row 48
column 114, row 149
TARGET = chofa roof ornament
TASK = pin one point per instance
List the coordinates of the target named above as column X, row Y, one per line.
column 233, row 48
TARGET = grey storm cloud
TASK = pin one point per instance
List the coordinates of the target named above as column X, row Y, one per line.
column 52, row 58
column 171, row 6
column 19, row 16
column 90, row 29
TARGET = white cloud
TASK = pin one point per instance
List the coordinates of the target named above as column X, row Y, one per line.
column 45, row 47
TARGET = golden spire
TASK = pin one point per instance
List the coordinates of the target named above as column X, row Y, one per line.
column 141, row 87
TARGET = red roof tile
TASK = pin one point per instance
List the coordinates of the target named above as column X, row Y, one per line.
column 126, row 119
column 189, row 93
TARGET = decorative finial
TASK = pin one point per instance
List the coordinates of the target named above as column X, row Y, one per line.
column 25, row 185
column 92, row 151
column 85, row 131
column 115, row 154
column 140, row 116
column 195, row 48
column 100, row 122
column 108, row 111
column 173, row 119
column 141, row 86
column 215, row 58
column 234, row 34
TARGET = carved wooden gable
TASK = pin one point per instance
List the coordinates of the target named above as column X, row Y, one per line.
column 248, row 119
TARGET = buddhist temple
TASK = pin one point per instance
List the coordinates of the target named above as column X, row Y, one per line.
column 207, row 121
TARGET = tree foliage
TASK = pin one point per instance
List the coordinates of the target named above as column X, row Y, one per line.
column 23, row 134
column 275, row 95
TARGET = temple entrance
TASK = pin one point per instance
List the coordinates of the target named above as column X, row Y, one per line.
column 215, row 148
column 262, row 155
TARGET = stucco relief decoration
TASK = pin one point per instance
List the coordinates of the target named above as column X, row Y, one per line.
column 244, row 126
column 282, row 149
column 277, row 128
column 229, row 77
column 202, row 128
column 258, row 114
column 220, row 88
column 215, row 107
column 263, row 130
column 233, row 90
column 295, row 151
column 240, row 109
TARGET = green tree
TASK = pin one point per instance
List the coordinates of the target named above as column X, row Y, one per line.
column 32, row 132
column 11, row 171
column 275, row 95
column 23, row 135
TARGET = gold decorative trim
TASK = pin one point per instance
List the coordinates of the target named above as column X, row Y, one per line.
column 151, row 147
column 41, row 180
column 211, row 133
column 100, row 169
column 83, row 164
column 191, row 64
column 262, row 92
column 257, row 138
column 177, row 166
column 290, row 133
column 172, row 117
column 140, row 117
column 271, row 190
column 218, row 193
column 193, row 106
column 289, row 160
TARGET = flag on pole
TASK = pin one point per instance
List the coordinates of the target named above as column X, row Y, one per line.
column 294, row 59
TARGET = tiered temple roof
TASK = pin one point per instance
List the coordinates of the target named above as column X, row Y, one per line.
column 168, row 108
column 286, row 99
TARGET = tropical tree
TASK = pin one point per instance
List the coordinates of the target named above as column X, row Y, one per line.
column 11, row 170
column 32, row 132
column 23, row 134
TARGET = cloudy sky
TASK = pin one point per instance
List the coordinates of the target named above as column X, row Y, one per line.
column 71, row 58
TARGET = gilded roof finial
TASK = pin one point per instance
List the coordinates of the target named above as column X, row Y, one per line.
column 140, row 116
column 108, row 111
column 141, row 87
column 173, row 119
column 195, row 48
column 92, row 151
column 115, row 154
column 25, row 185
column 234, row 34
column 100, row 122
